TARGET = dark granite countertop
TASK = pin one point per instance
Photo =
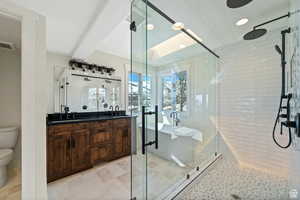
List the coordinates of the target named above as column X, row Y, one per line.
column 53, row 119
column 72, row 121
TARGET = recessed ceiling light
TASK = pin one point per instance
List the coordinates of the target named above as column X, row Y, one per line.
column 242, row 21
column 178, row 26
column 182, row 46
column 150, row 27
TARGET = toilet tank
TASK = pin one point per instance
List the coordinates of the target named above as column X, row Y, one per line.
column 8, row 137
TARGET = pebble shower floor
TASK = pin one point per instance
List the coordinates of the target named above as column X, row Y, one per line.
column 227, row 181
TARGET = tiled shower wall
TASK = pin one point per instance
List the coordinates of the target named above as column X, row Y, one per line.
column 249, row 92
column 294, row 59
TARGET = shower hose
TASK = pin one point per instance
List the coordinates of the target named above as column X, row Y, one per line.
column 277, row 121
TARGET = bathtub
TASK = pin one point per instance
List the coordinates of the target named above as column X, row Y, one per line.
column 177, row 144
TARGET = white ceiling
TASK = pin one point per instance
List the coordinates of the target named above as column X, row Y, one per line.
column 10, row 30
column 80, row 27
column 67, row 20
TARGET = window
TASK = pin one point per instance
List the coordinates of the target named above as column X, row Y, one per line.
column 146, row 88
column 92, row 99
column 133, row 92
column 174, row 92
column 139, row 91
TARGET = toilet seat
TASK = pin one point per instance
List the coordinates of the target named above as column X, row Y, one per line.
column 5, row 156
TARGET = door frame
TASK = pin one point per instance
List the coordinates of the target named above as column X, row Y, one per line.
column 34, row 99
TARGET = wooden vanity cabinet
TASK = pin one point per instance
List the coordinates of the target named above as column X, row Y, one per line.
column 58, row 156
column 75, row 147
column 80, row 144
column 68, row 150
column 122, row 137
column 101, row 142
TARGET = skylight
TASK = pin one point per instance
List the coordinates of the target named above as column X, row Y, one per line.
column 173, row 44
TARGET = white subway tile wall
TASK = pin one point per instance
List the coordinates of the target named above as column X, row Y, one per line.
column 294, row 180
column 249, row 93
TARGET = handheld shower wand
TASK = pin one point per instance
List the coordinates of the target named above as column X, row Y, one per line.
column 289, row 124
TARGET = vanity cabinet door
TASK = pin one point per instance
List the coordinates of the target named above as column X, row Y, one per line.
column 101, row 153
column 59, row 156
column 80, row 149
column 122, row 138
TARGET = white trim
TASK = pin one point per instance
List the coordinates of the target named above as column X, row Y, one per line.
column 34, row 100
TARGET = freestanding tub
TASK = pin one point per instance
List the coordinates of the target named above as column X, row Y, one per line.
column 177, row 144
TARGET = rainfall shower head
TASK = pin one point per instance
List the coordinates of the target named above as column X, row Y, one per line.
column 277, row 48
column 237, row 3
column 255, row 33
column 259, row 32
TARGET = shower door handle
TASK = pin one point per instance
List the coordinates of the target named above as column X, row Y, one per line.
column 143, row 130
column 144, row 144
column 156, row 127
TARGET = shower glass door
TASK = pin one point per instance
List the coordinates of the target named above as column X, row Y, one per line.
column 172, row 93
column 136, row 74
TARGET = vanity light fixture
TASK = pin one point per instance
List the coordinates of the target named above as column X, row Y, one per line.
column 242, row 21
column 150, row 27
column 76, row 64
column 178, row 26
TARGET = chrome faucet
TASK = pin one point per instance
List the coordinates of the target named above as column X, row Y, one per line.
column 175, row 119
column 117, row 108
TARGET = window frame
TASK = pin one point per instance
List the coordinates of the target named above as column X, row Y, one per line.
column 140, row 90
column 169, row 71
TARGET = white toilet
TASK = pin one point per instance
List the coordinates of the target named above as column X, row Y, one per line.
column 8, row 140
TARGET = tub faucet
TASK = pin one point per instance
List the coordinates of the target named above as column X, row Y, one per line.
column 175, row 119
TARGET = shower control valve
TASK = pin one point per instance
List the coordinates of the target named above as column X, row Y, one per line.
column 298, row 124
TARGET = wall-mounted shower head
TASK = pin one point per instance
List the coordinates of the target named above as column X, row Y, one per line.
column 237, row 3
column 277, row 48
column 255, row 33
column 258, row 32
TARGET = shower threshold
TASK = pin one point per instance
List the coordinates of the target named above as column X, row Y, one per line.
column 181, row 185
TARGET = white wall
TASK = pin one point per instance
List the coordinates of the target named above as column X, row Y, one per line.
column 294, row 179
column 10, row 88
column 248, row 101
column 120, row 64
column 54, row 60
column 10, row 101
column 33, row 100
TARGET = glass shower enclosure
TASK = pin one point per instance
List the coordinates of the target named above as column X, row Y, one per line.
column 172, row 88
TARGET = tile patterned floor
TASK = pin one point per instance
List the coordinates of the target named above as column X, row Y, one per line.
column 226, row 181
column 111, row 181
column 12, row 190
